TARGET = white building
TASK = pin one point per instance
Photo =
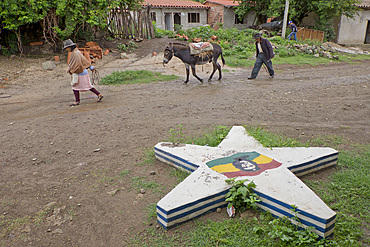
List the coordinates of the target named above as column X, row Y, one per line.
column 357, row 30
column 168, row 13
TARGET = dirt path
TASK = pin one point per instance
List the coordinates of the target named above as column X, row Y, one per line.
column 74, row 156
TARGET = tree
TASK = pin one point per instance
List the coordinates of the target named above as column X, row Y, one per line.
column 326, row 10
column 16, row 13
column 60, row 19
column 260, row 7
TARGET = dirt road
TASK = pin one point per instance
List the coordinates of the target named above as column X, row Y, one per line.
column 72, row 157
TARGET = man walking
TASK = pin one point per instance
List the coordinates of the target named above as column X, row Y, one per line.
column 294, row 31
column 264, row 54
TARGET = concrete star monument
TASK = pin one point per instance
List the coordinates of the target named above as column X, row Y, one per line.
column 273, row 170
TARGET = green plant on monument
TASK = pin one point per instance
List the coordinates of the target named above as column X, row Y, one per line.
column 241, row 195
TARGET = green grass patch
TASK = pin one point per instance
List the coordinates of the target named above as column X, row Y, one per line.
column 135, row 77
column 298, row 59
column 212, row 138
column 234, row 62
column 302, row 59
column 353, row 59
column 151, row 212
column 180, row 175
column 141, row 183
column 148, row 158
column 124, row 173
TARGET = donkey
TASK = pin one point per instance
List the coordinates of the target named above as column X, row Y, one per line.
column 182, row 51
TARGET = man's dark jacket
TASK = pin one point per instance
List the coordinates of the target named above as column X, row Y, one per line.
column 267, row 49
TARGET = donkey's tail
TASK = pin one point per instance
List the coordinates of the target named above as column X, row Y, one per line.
column 222, row 58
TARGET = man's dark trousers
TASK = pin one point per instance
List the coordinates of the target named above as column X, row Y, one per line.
column 257, row 65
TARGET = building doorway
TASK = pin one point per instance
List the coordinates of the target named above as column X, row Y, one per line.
column 367, row 36
column 168, row 21
column 177, row 20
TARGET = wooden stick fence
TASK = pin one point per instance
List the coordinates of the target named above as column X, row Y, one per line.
column 131, row 24
column 305, row 33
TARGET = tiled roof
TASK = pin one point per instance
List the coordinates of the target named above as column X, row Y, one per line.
column 174, row 4
column 227, row 3
column 364, row 4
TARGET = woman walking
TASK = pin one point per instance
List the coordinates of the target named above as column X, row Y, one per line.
column 77, row 67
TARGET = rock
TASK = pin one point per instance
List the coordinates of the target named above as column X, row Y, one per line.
column 328, row 55
column 113, row 192
column 27, row 229
column 97, row 150
column 58, row 231
column 139, row 197
column 152, row 173
column 142, row 191
column 248, row 214
column 317, row 55
column 124, row 56
column 49, row 65
column 218, row 210
column 49, row 205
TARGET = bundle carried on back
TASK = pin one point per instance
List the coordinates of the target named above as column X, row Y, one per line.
column 199, row 48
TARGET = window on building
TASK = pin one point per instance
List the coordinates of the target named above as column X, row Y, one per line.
column 153, row 17
column 237, row 20
column 193, row 18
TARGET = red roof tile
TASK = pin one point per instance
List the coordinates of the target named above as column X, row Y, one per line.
column 174, row 4
column 224, row 2
column 364, row 4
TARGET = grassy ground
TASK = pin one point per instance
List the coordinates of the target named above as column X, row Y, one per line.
column 135, row 76
column 300, row 59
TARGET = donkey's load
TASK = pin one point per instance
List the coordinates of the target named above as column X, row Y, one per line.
column 198, row 48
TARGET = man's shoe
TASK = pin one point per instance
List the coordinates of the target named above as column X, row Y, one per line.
column 251, row 78
column 272, row 76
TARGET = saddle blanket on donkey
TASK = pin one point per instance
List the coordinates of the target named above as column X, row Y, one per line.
column 198, row 48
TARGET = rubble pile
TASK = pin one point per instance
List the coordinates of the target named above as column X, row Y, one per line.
column 92, row 51
column 327, row 49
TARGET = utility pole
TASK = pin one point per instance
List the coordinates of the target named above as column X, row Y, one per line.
column 285, row 21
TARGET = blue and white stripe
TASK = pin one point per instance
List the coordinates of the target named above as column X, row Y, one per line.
column 191, row 210
column 314, row 165
column 323, row 227
column 174, row 160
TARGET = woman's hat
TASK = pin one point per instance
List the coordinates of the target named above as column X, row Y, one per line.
column 257, row 36
column 68, row 43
